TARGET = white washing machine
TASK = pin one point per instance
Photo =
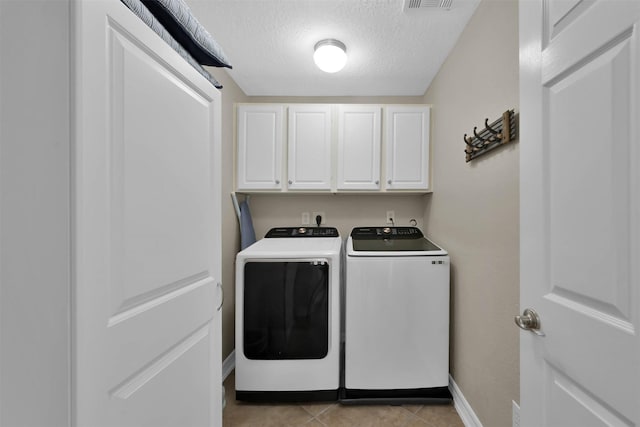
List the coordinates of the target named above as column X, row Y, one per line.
column 288, row 316
column 396, row 345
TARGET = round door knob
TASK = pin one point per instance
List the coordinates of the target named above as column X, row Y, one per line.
column 528, row 320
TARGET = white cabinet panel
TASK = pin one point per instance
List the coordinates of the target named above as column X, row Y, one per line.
column 309, row 141
column 359, row 136
column 319, row 155
column 260, row 140
column 407, row 153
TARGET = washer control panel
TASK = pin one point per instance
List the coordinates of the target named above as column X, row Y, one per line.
column 302, row 232
column 373, row 233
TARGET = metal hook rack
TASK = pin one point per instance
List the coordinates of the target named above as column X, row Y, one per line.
column 500, row 132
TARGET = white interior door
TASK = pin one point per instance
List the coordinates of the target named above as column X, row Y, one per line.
column 146, row 229
column 580, row 212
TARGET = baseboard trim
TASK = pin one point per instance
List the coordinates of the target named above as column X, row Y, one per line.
column 468, row 417
column 228, row 364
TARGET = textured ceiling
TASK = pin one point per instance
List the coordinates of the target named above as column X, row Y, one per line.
column 391, row 51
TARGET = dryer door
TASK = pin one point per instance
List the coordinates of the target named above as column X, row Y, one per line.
column 286, row 310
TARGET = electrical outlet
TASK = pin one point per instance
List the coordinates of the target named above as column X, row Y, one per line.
column 305, row 218
column 323, row 217
column 391, row 217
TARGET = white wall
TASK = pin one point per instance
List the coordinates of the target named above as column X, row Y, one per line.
column 35, row 292
column 342, row 211
column 231, row 94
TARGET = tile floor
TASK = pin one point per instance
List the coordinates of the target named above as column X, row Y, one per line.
column 240, row 414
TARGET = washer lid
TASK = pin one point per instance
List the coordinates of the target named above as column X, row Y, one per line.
column 392, row 239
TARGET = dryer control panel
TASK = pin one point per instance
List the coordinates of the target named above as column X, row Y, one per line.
column 302, row 232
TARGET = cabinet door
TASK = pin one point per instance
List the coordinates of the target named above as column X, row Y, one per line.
column 407, row 139
column 309, row 147
column 359, row 147
column 260, row 141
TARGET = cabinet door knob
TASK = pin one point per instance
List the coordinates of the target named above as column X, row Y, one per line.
column 290, row 182
column 277, row 181
column 377, row 182
column 389, row 182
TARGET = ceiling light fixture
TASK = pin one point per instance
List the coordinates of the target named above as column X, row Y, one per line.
column 330, row 55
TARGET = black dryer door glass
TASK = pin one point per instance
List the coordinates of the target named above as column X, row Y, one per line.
column 286, row 310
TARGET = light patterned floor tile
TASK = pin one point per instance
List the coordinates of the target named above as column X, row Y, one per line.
column 316, row 408
column 412, row 408
column 314, row 423
column 417, row 422
column 267, row 416
column 440, row 416
column 389, row 416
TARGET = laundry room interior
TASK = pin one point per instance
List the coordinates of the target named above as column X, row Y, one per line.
column 205, row 224
column 141, row 184
column 470, row 209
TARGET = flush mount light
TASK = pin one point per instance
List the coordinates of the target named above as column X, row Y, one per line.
column 330, row 55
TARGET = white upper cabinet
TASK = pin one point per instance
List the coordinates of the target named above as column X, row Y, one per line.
column 407, row 152
column 309, row 140
column 260, row 142
column 359, row 136
column 333, row 148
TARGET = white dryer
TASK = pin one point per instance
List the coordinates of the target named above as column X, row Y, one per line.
column 288, row 316
column 396, row 317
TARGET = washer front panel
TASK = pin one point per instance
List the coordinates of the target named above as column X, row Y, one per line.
column 396, row 322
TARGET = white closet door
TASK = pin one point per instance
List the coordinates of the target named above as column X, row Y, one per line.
column 146, row 229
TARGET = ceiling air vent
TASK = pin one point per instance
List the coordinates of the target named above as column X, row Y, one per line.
column 410, row 5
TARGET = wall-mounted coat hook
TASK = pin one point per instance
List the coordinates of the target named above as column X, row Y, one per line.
column 488, row 127
column 471, row 148
column 501, row 131
column 480, row 138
